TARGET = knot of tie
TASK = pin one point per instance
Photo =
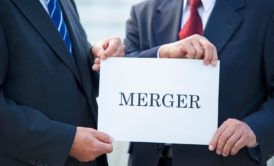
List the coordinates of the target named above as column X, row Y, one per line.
column 195, row 3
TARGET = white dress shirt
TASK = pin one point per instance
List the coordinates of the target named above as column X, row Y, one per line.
column 45, row 4
column 204, row 11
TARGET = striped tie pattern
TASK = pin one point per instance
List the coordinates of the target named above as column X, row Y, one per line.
column 56, row 15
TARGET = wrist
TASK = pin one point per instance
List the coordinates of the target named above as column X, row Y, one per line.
column 74, row 145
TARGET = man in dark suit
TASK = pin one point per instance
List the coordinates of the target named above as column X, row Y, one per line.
column 48, row 109
column 243, row 33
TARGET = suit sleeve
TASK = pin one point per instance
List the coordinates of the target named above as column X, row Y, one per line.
column 262, row 122
column 26, row 134
column 133, row 39
column 95, row 74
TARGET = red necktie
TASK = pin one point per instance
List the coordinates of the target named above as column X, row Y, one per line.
column 194, row 24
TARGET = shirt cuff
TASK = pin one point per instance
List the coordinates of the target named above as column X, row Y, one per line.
column 255, row 153
column 158, row 53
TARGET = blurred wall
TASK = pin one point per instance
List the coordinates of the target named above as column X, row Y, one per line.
column 103, row 18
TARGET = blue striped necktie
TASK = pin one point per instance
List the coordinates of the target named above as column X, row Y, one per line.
column 56, row 15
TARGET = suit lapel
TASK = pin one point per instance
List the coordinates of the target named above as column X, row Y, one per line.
column 80, row 51
column 223, row 22
column 167, row 21
column 40, row 20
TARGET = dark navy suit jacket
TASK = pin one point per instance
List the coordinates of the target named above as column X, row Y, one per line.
column 44, row 95
column 243, row 32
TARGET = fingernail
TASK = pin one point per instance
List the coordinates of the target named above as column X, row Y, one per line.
column 218, row 152
column 211, row 148
column 206, row 62
column 215, row 63
column 225, row 155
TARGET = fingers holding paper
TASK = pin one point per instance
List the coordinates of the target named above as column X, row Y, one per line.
column 231, row 137
column 89, row 144
column 193, row 47
column 110, row 47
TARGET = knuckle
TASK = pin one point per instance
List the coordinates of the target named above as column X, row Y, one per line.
column 235, row 149
column 244, row 133
column 229, row 143
column 200, row 52
column 238, row 122
column 90, row 129
column 196, row 36
column 86, row 138
column 237, row 125
column 230, row 120
column 218, row 132
column 192, row 51
column 112, row 48
column 207, row 46
column 117, row 44
column 248, row 136
column 207, row 57
column 223, row 137
column 93, row 151
column 116, row 37
column 203, row 38
column 210, row 44
column 95, row 49
column 190, row 38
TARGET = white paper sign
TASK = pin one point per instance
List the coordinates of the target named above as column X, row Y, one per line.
column 158, row 100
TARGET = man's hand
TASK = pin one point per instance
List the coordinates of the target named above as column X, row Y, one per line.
column 193, row 47
column 231, row 137
column 89, row 144
column 110, row 47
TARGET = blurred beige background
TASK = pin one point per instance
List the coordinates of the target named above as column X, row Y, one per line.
column 103, row 18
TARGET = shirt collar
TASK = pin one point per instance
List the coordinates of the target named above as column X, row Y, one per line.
column 207, row 4
column 44, row 2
